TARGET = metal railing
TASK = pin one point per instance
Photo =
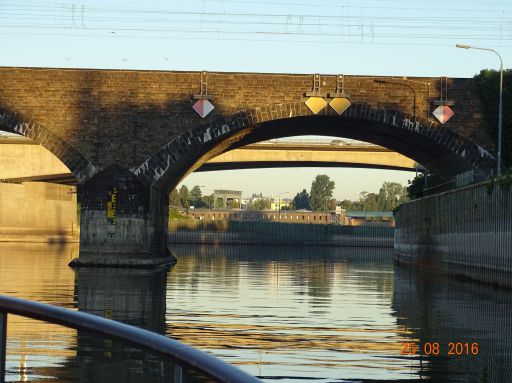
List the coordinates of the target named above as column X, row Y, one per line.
column 460, row 180
column 177, row 351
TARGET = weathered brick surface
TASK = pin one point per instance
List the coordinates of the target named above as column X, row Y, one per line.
column 118, row 117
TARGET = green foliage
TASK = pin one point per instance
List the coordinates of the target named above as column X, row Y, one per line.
column 301, row 201
column 260, row 204
column 175, row 214
column 346, row 204
column 184, row 197
column 174, row 198
column 390, row 196
column 196, row 197
column 487, row 91
column 207, row 201
column 416, row 187
column 219, row 204
column 321, row 192
column 504, row 182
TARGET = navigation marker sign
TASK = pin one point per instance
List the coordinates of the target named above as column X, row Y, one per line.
column 443, row 113
column 203, row 107
column 339, row 104
column 315, row 104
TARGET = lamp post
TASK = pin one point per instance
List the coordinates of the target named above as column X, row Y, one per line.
column 279, row 203
column 500, row 112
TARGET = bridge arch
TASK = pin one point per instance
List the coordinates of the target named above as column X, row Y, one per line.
column 79, row 166
column 437, row 148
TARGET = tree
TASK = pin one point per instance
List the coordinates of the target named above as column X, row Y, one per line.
column 346, row 204
column 321, row 192
column 261, row 204
column 301, row 201
column 184, row 197
column 196, row 197
column 487, row 90
column 391, row 194
column 207, row 201
column 367, row 202
column 416, row 186
column 174, row 198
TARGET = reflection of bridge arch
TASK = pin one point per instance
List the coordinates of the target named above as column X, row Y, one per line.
column 439, row 149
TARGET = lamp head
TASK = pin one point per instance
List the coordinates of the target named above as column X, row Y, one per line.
column 463, row 46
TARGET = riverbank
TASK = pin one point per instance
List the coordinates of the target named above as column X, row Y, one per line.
column 277, row 233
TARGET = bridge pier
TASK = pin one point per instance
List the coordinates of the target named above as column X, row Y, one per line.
column 122, row 222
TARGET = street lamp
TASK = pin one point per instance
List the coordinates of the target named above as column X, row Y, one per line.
column 279, row 203
column 500, row 113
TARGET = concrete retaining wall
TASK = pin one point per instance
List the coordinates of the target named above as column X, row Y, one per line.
column 277, row 233
column 37, row 211
column 465, row 233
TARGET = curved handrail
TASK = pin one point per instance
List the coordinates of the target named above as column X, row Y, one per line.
column 187, row 355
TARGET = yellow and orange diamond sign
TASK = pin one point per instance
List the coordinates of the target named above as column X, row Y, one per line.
column 443, row 113
column 316, row 104
column 340, row 104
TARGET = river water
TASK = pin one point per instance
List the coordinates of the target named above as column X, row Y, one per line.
column 282, row 314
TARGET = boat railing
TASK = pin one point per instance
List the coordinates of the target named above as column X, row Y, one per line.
column 168, row 348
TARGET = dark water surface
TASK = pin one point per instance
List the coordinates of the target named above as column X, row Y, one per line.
column 282, row 314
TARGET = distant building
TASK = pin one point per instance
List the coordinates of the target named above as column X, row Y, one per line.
column 291, row 216
column 370, row 218
column 285, row 205
column 227, row 199
column 338, row 216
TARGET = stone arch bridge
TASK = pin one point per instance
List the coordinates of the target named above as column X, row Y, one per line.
column 130, row 136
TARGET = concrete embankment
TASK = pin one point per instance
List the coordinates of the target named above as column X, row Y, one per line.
column 277, row 233
column 38, row 212
column 465, row 233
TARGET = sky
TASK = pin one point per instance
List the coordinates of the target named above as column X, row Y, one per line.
column 364, row 37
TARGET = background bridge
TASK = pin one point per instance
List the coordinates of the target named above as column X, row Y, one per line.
column 24, row 160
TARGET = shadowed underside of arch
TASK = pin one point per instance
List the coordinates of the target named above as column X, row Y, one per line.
column 437, row 148
column 81, row 168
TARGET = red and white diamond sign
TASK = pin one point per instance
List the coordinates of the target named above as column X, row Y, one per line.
column 203, row 108
column 443, row 113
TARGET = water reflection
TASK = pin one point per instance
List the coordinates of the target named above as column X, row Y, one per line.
column 293, row 314
column 284, row 314
column 445, row 310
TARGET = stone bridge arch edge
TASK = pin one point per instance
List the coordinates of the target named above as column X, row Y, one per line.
column 75, row 161
column 210, row 134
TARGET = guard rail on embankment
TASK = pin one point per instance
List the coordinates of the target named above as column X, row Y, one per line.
column 465, row 233
column 277, row 233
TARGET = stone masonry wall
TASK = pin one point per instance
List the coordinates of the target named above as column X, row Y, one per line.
column 120, row 117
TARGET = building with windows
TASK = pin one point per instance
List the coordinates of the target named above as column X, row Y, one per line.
column 291, row 216
column 227, row 199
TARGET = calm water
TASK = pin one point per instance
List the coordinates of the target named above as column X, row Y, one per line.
column 284, row 315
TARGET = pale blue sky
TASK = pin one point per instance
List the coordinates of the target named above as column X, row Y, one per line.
column 365, row 37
